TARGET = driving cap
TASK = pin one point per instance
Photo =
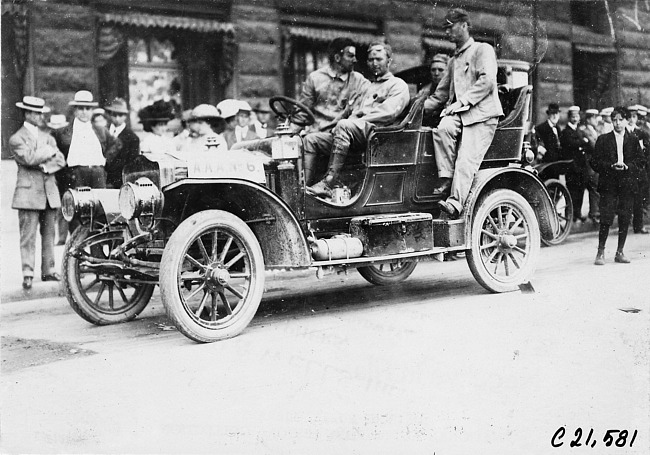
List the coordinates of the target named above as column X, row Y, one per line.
column 34, row 104
column 57, row 121
column 442, row 58
column 455, row 15
column 83, row 98
column 117, row 106
column 228, row 108
column 574, row 109
column 607, row 111
column 553, row 108
column 204, row 111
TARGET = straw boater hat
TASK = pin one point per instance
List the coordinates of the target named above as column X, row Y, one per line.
column 643, row 111
column 34, row 104
column 204, row 111
column 83, row 98
column 244, row 106
column 591, row 112
column 57, row 121
column 607, row 111
column 574, row 109
column 118, row 106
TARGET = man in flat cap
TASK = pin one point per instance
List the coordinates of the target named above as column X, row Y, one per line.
column 437, row 67
column 87, row 148
column 128, row 143
column 641, row 197
column 468, row 92
column 573, row 149
column 36, row 197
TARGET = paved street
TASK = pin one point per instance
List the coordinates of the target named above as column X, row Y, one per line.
column 434, row 365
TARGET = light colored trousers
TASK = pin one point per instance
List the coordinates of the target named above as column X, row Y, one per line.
column 28, row 223
column 461, row 164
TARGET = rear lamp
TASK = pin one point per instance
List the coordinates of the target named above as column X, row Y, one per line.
column 529, row 155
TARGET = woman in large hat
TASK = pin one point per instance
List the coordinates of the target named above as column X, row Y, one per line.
column 204, row 122
column 155, row 118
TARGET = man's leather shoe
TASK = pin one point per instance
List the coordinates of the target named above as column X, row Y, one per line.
column 641, row 231
column 449, row 209
column 620, row 258
column 443, row 189
column 51, row 277
column 600, row 258
column 320, row 189
column 27, row 282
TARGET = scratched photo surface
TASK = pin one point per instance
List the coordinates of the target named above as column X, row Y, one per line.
column 239, row 310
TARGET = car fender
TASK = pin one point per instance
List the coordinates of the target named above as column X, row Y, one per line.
column 276, row 227
column 524, row 182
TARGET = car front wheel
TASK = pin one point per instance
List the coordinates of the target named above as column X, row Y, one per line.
column 212, row 276
column 505, row 241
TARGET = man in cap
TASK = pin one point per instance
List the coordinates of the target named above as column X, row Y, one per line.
column 547, row 136
column 36, row 196
column 330, row 92
column 203, row 123
column 382, row 102
column 573, row 149
column 641, row 197
column 468, row 91
column 605, row 125
column 437, row 68
column 589, row 136
column 236, row 114
column 128, row 143
column 260, row 121
column 87, row 148
column 617, row 158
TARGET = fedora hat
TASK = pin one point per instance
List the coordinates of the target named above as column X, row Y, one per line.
column 83, row 98
column 57, row 121
column 117, row 106
column 34, row 104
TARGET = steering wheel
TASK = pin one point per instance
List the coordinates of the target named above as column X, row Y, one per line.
column 294, row 111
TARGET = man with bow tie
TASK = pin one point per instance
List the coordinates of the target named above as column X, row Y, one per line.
column 468, row 92
column 36, row 197
column 547, row 136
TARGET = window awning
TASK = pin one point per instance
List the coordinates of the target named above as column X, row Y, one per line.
column 328, row 34
column 156, row 20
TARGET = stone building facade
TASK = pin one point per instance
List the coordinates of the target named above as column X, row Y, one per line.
column 592, row 53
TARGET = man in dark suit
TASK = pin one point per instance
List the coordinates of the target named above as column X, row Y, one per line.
column 468, row 92
column 128, row 143
column 36, row 197
column 86, row 148
column 617, row 159
column 641, row 198
column 547, row 135
column 573, row 149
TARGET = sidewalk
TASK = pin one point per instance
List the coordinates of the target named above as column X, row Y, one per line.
column 10, row 273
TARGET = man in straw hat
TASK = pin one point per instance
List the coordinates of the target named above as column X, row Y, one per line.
column 36, row 196
column 87, row 148
column 128, row 143
column 468, row 93
column 641, row 197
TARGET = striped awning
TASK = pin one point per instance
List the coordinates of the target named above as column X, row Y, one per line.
column 328, row 34
column 160, row 21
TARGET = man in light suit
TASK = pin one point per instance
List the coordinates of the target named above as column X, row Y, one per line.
column 36, row 197
column 468, row 92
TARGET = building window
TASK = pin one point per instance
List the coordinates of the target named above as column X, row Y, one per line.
column 154, row 73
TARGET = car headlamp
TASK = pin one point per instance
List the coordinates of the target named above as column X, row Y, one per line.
column 529, row 155
column 78, row 202
column 141, row 200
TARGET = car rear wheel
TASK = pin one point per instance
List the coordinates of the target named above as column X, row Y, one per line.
column 505, row 241
column 98, row 291
column 387, row 273
column 212, row 276
column 561, row 199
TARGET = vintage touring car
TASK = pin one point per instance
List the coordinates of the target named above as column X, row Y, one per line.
column 207, row 226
